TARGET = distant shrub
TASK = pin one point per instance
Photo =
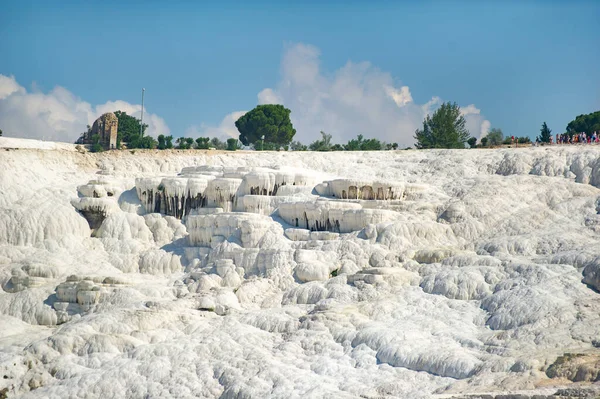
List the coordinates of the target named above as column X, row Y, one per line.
column 218, row 144
column 96, row 147
column 495, row 137
column 362, row 144
column 161, row 142
column 321, row 145
column 484, row 141
column 232, row 144
column 203, row 143
column 298, row 146
column 472, row 142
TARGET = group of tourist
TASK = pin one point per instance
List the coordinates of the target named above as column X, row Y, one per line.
column 578, row 138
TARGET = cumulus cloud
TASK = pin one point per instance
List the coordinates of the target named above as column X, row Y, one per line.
column 358, row 98
column 58, row 115
column 476, row 123
column 224, row 130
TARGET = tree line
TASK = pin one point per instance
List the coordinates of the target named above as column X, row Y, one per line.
column 269, row 127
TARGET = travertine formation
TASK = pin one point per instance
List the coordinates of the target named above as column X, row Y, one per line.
column 409, row 274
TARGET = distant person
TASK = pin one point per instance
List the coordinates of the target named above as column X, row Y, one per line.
column 537, row 141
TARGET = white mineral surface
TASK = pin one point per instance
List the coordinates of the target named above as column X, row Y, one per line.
column 403, row 274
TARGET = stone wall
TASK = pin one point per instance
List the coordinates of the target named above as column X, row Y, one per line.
column 106, row 127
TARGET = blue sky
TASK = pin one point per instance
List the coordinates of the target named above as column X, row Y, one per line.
column 335, row 64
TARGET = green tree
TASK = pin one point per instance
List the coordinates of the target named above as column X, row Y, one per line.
column 189, row 142
column 271, row 121
column 142, row 142
column 588, row 123
column 169, row 142
column 96, row 146
column 321, row 145
column 129, row 128
column 445, row 129
column 372, row 145
column 232, row 144
column 545, row 134
column 203, row 143
column 472, row 142
column 495, row 136
column 182, row 143
column 484, row 141
column 360, row 144
column 523, row 140
column 218, row 144
column 161, row 142
column 298, row 146
column 0, row 132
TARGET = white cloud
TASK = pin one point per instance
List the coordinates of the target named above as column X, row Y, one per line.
column 225, row 130
column 268, row 96
column 476, row 123
column 8, row 85
column 401, row 97
column 470, row 109
column 358, row 98
column 485, row 128
column 58, row 115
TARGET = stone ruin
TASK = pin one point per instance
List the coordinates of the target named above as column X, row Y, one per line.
column 106, row 127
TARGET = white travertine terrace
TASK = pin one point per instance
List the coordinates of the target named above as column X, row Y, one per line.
column 253, row 275
column 365, row 189
column 334, row 216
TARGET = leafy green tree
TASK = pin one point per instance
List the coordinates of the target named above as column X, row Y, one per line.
column 182, row 143
column 445, row 129
column 360, row 144
column 129, row 128
column 523, row 140
column 232, row 144
column 142, row 142
column 495, row 137
column 161, row 142
column 588, row 123
column 545, row 133
column 189, row 142
column 372, row 145
column 321, row 145
column 169, row 142
column 203, row 143
column 472, row 142
column 484, row 141
column 298, row 146
column 96, row 146
column 218, row 144
column 271, row 121
column 337, row 147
